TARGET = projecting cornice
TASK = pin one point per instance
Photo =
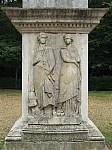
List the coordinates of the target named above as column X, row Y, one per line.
column 55, row 20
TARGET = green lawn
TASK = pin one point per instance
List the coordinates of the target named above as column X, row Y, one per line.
column 1, row 144
column 101, row 93
column 6, row 92
column 100, row 111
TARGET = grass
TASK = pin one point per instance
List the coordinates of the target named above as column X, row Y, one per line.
column 1, row 144
column 6, row 92
column 101, row 94
column 100, row 111
column 10, row 110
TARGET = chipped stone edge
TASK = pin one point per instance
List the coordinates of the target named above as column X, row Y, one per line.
column 15, row 132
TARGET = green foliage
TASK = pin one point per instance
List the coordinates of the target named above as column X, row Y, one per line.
column 10, row 50
column 10, row 44
column 100, row 83
column 100, row 49
column 11, row 3
column 10, row 41
column 98, row 3
column 108, row 3
column 10, row 83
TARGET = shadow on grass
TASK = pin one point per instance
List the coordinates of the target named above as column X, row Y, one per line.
column 9, row 92
column 100, row 93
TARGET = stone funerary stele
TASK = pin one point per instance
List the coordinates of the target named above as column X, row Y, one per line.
column 55, row 76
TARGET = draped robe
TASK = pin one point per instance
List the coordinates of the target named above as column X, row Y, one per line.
column 44, row 63
column 70, row 76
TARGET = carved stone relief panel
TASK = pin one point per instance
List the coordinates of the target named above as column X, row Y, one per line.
column 56, row 76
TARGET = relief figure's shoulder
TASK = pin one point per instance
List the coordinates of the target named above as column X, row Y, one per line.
column 64, row 50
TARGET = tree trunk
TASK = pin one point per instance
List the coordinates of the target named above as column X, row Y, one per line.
column 16, row 78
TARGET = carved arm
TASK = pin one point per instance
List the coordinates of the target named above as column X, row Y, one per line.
column 67, row 58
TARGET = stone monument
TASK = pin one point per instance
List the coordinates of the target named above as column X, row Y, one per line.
column 55, row 76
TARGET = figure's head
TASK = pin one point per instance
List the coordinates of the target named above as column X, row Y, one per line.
column 42, row 38
column 68, row 39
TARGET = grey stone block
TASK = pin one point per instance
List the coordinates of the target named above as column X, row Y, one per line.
column 35, row 137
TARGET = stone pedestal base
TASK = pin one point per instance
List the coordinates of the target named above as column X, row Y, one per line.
column 90, row 145
column 55, row 137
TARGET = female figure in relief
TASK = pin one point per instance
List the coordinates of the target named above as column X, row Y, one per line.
column 70, row 79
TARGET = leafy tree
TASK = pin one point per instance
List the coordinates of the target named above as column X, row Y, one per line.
column 10, row 49
column 98, row 3
column 100, row 49
column 11, row 3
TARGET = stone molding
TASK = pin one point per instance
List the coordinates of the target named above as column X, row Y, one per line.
column 59, row 133
column 55, row 20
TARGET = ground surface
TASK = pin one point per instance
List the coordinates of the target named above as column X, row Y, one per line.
column 100, row 111
column 10, row 108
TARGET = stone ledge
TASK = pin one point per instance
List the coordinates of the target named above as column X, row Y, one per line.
column 55, row 20
column 15, row 132
column 64, row 133
column 85, row 145
column 53, row 13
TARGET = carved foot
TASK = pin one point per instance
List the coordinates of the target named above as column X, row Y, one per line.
column 60, row 113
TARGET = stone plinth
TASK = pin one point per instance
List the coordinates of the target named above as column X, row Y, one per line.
column 56, row 137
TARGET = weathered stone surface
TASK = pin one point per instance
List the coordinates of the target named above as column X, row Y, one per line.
column 15, row 132
column 91, row 145
column 60, row 137
column 55, row 20
column 63, row 106
column 55, row 3
column 57, row 133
